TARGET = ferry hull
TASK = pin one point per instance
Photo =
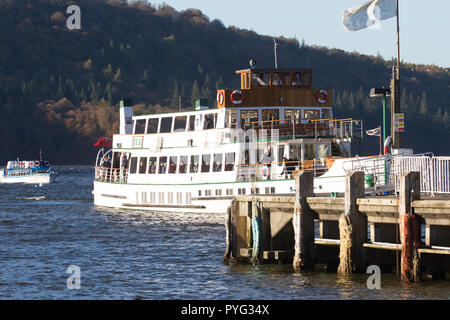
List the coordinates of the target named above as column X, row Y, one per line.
column 31, row 179
column 137, row 197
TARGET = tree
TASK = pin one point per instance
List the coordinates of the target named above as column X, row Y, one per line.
column 423, row 104
column 195, row 93
column 88, row 64
column 175, row 96
column 117, row 76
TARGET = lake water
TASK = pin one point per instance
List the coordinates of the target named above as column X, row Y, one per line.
column 144, row 255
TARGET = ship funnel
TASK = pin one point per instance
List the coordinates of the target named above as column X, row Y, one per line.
column 126, row 116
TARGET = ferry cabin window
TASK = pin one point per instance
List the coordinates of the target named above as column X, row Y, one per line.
column 183, row 164
column 293, row 114
column 173, row 164
column 297, row 79
column 166, row 125
column 245, row 157
column 191, row 122
column 229, row 161
column 280, row 154
column 206, row 162
column 209, row 121
column 260, row 79
column 139, row 126
column 326, row 113
column 194, row 164
column 280, row 79
column 310, row 151
column 322, row 150
column 306, row 79
column 231, row 118
column 162, row 169
column 142, row 164
column 217, row 165
column 311, row 114
column 180, row 124
column 248, row 116
column 270, row 114
column 133, row 165
column 295, row 151
column 152, row 125
column 152, row 165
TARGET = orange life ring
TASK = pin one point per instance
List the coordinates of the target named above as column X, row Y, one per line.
column 220, row 98
column 322, row 96
column 237, row 97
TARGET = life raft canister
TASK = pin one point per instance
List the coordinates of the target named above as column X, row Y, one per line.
column 220, row 98
column 322, row 96
column 237, row 97
column 37, row 163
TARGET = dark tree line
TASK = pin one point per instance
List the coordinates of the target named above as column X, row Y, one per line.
column 60, row 88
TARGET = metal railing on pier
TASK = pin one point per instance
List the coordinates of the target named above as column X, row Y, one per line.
column 434, row 172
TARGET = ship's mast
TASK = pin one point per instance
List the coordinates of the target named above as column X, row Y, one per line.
column 275, row 46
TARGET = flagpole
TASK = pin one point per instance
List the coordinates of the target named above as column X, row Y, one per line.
column 398, row 42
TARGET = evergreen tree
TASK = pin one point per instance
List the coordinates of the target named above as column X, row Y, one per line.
column 423, row 103
column 175, row 97
column 195, row 93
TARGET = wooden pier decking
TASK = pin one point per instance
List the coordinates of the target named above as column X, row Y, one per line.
column 409, row 233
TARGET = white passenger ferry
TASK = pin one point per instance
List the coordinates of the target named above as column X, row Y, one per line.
column 31, row 172
column 253, row 143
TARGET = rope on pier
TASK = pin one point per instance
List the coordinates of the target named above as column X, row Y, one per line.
column 411, row 242
column 256, row 235
column 229, row 241
column 345, row 235
column 297, row 234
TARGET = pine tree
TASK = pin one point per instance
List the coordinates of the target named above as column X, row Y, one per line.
column 423, row 103
column 107, row 72
column 205, row 92
column 117, row 76
column 175, row 96
column 195, row 93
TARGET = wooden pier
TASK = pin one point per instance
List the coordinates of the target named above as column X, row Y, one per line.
column 408, row 234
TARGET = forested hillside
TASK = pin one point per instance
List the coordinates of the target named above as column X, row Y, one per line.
column 60, row 88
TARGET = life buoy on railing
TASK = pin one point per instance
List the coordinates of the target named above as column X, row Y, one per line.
column 37, row 163
column 220, row 98
column 322, row 96
column 237, row 97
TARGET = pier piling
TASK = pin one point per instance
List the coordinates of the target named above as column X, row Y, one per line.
column 268, row 228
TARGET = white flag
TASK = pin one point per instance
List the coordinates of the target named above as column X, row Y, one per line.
column 369, row 14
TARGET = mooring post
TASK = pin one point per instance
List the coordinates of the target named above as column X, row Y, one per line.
column 229, row 237
column 355, row 223
column 409, row 226
column 303, row 221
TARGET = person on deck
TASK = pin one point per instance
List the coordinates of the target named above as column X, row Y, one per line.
column 266, row 160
